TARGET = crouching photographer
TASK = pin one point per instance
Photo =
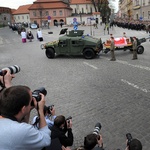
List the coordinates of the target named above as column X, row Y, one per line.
column 132, row 144
column 94, row 140
column 16, row 103
column 61, row 133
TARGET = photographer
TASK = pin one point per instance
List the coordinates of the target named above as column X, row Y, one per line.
column 132, row 144
column 94, row 140
column 59, row 130
column 15, row 106
column 49, row 113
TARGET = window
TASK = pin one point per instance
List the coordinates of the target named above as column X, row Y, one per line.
column 40, row 13
column 148, row 14
column 91, row 9
column 143, row 2
column 60, row 13
column 137, row 2
column 62, row 43
column 77, row 43
column 86, row 6
column 34, row 14
column 27, row 17
column 47, row 13
column 22, row 17
column 54, row 13
column 18, row 17
column 75, row 10
column 82, row 10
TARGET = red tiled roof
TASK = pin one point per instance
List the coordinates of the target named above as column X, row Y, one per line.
column 53, row 5
column 22, row 9
column 81, row 2
column 13, row 10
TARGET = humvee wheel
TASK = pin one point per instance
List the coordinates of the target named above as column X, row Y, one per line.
column 50, row 53
column 140, row 49
column 88, row 53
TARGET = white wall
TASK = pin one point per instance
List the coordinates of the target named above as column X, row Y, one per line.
column 22, row 18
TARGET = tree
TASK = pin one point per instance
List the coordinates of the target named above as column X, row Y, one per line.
column 102, row 7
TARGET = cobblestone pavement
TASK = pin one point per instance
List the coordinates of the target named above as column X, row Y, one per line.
column 117, row 94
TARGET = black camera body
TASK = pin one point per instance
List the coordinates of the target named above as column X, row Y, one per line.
column 13, row 70
column 49, row 109
column 68, row 119
column 129, row 138
column 36, row 94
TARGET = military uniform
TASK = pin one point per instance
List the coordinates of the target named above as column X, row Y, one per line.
column 112, row 49
column 134, row 47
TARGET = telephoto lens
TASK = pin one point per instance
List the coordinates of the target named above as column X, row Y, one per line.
column 129, row 138
column 12, row 69
column 97, row 128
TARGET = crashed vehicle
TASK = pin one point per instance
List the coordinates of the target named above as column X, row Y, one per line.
column 74, row 42
column 123, row 43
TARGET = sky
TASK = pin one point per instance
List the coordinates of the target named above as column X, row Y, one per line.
column 14, row 4
column 114, row 4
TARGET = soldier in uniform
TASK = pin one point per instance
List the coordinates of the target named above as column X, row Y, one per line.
column 134, row 47
column 112, row 49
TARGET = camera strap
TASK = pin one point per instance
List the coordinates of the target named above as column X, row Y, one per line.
column 2, row 85
column 38, row 117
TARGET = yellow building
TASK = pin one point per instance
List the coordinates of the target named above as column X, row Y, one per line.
column 129, row 8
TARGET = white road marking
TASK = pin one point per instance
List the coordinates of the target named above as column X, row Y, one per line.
column 136, row 66
column 90, row 65
column 135, row 86
column 1, row 40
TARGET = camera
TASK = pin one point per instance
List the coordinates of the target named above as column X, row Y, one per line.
column 13, row 69
column 97, row 130
column 36, row 94
column 68, row 119
column 50, row 108
column 129, row 138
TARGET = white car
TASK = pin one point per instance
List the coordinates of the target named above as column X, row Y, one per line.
column 33, row 26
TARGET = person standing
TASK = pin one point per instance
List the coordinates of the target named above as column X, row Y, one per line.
column 112, row 49
column 23, row 35
column 134, row 47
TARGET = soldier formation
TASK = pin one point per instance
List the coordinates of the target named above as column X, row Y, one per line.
column 133, row 24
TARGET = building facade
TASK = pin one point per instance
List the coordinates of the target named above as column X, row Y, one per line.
column 21, row 15
column 47, row 11
column 5, row 15
column 123, row 9
column 141, row 9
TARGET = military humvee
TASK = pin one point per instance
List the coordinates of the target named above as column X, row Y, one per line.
column 73, row 43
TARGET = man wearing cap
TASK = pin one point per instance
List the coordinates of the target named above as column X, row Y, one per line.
column 134, row 47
